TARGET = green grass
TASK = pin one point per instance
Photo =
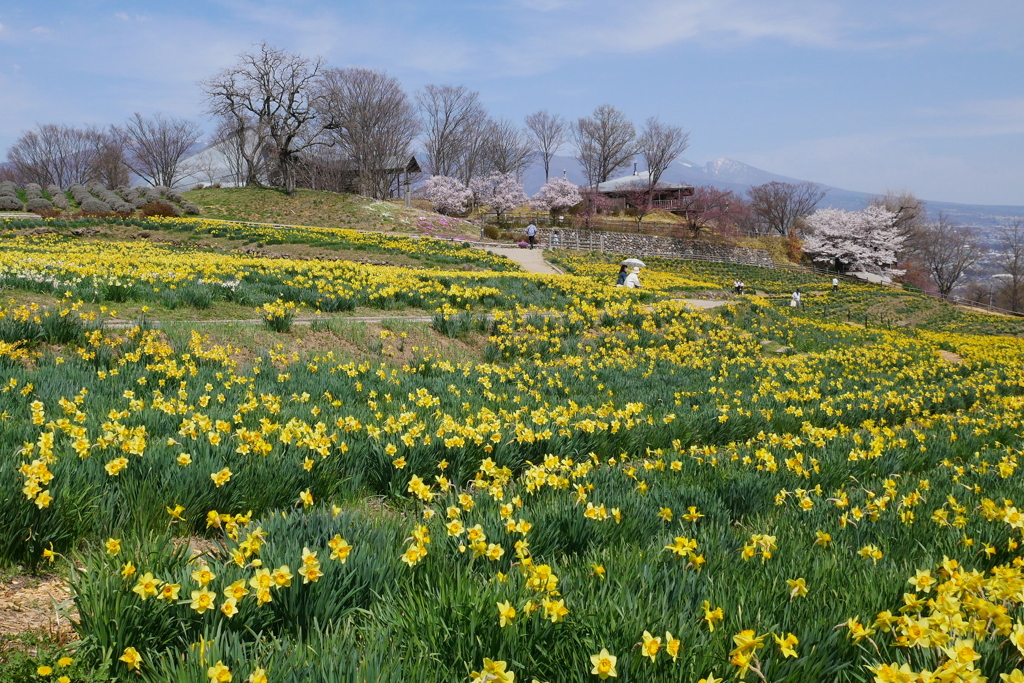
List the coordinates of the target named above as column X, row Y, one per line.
column 311, row 207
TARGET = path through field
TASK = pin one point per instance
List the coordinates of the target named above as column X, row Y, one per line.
column 532, row 260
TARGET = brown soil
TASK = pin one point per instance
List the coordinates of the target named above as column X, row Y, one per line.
column 951, row 357
column 40, row 604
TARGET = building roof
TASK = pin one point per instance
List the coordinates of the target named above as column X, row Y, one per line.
column 628, row 182
column 392, row 164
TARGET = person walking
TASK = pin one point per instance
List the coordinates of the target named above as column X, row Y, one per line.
column 739, row 286
column 621, row 279
column 531, row 234
column 554, row 240
column 835, row 284
column 633, row 279
column 794, row 301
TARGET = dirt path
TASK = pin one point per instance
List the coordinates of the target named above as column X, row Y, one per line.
column 704, row 303
column 127, row 324
column 532, row 260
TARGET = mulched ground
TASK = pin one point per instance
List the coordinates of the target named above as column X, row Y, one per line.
column 40, row 604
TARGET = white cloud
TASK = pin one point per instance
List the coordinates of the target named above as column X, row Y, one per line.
column 41, row 30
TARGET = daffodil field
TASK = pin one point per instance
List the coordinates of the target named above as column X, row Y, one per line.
column 620, row 487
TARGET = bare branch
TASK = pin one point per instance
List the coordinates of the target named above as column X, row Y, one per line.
column 947, row 250
column 1011, row 261
column 549, row 134
column 376, row 126
column 660, row 144
column 777, row 206
column 604, row 143
column 455, row 124
column 53, row 154
column 155, row 147
column 279, row 90
column 507, row 149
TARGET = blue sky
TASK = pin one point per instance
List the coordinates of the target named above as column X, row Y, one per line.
column 865, row 95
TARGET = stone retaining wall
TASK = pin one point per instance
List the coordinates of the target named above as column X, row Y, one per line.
column 640, row 245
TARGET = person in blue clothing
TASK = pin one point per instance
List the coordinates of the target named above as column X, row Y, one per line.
column 621, row 280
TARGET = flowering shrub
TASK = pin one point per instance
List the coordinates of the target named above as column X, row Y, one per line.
column 447, row 195
column 502, row 192
column 558, row 194
column 441, row 227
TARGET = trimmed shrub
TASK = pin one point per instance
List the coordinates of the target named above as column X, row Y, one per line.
column 79, row 193
column 94, row 206
column 8, row 188
column 190, row 209
column 139, row 202
column 9, row 203
column 33, row 191
column 38, row 204
column 160, row 209
column 57, row 196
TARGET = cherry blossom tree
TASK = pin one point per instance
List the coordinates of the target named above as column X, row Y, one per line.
column 710, row 207
column 558, row 194
column 448, row 195
column 639, row 197
column 502, row 192
column 867, row 240
column 594, row 203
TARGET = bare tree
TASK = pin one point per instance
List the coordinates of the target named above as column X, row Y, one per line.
column 242, row 141
column 548, row 132
column 947, row 250
column 660, row 144
column 278, row 89
column 53, row 155
column 507, row 149
column 109, row 164
column 1011, row 260
column 604, row 143
column 155, row 147
column 474, row 163
column 777, row 206
column 455, row 123
column 376, row 125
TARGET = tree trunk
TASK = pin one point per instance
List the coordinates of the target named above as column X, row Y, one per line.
column 287, row 173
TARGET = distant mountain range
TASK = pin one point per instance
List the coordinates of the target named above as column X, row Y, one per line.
column 737, row 176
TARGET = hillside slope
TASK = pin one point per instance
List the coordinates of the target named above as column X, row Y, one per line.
column 326, row 210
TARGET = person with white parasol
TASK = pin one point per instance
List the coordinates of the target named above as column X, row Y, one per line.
column 633, row 279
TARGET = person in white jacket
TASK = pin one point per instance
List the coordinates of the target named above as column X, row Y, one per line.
column 633, row 279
